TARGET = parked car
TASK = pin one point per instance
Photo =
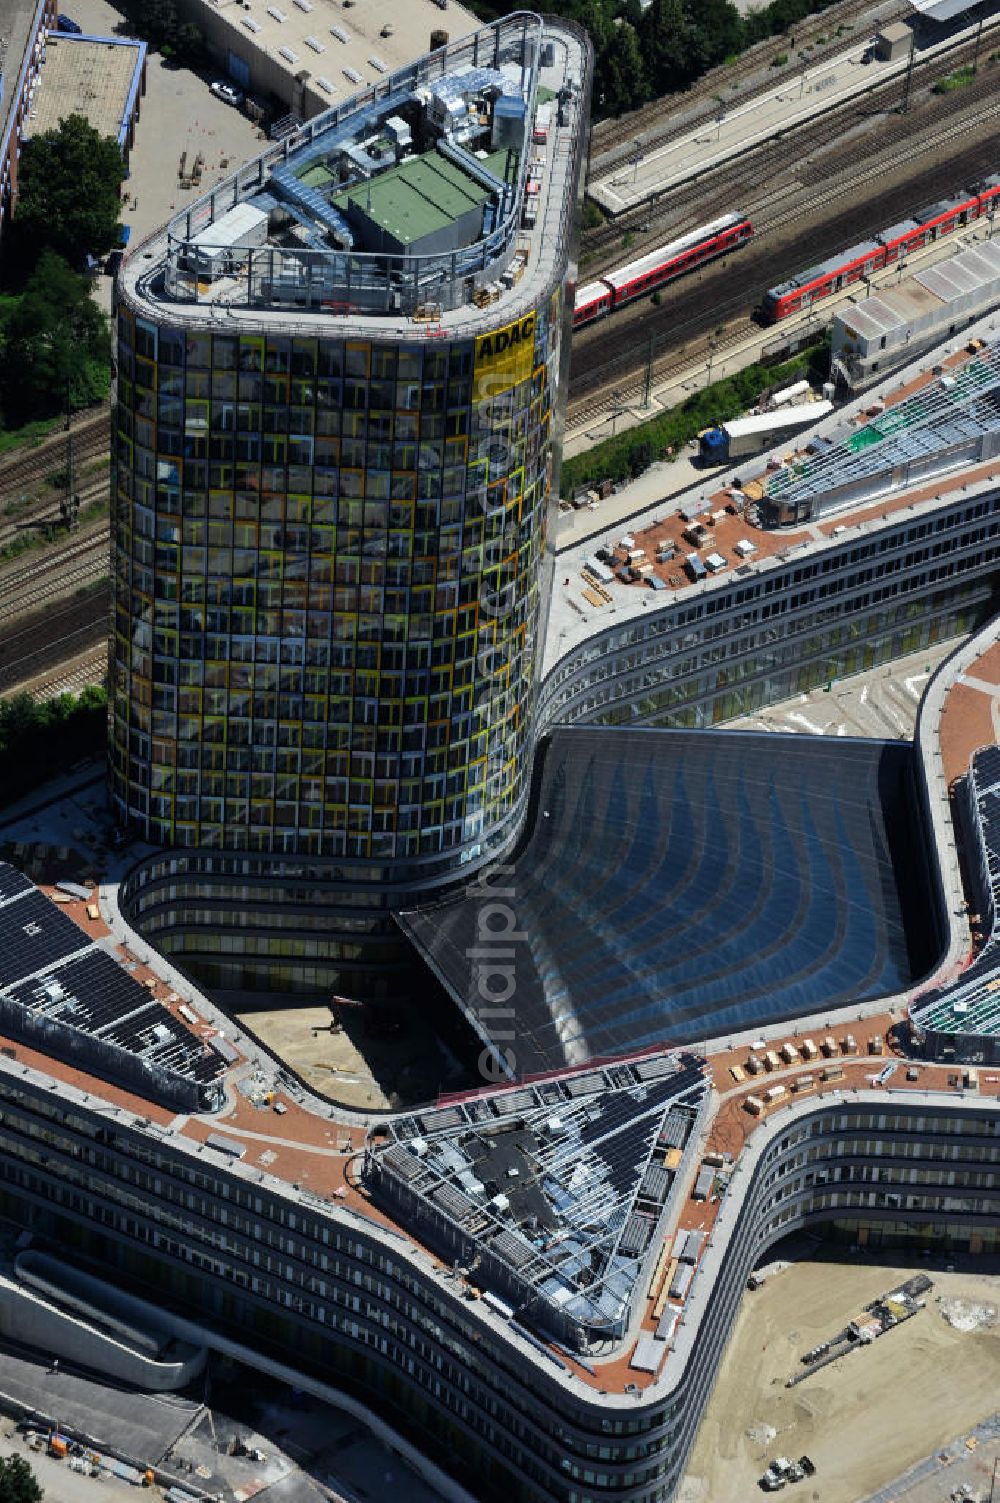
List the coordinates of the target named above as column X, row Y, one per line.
column 227, row 92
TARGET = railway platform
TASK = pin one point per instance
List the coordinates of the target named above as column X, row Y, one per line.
column 801, row 93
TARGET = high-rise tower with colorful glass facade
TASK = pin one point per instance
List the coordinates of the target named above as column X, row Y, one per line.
column 339, row 381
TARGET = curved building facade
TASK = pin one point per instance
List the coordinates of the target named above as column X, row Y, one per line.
column 287, row 1276
column 338, row 385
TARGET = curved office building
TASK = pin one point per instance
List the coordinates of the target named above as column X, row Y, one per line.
column 339, row 377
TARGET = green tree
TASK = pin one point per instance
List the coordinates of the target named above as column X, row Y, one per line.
column 163, row 26
column 55, row 342
column 620, row 72
column 69, row 192
column 667, row 46
column 17, row 1481
column 716, row 30
column 37, row 741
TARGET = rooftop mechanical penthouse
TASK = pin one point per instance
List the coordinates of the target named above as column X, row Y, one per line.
column 339, row 378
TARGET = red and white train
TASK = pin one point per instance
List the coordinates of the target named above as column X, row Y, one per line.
column 659, row 266
column 887, row 246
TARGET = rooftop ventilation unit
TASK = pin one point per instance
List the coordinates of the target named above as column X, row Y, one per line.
column 340, row 34
column 279, row 15
column 251, row 24
column 315, row 44
column 326, row 85
column 288, row 54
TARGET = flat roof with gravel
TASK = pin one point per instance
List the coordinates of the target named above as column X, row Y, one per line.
column 90, row 76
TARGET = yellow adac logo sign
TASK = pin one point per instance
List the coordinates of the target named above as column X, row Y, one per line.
column 504, row 357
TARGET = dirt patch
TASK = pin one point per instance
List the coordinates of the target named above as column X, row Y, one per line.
column 356, row 1064
column 865, row 1418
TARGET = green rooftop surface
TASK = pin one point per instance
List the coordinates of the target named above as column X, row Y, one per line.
column 316, row 175
column 497, row 161
column 416, row 198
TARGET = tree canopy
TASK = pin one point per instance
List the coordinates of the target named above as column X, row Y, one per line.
column 68, row 191
column 39, row 740
column 642, row 54
column 54, row 345
column 17, row 1481
column 164, row 26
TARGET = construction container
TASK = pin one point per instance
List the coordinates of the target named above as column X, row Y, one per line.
column 970, row 1080
column 690, row 1250
column 755, row 1064
column 704, row 1184
column 716, row 1160
column 832, row 1072
column 737, row 1074
column 804, row 1083
column 682, row 1281
column 850, row 1044
column 771, row 1060
column 789, row 1054
column 829, row 1046
column 808, row 1049
column 875, row 1044
column 754, row 1105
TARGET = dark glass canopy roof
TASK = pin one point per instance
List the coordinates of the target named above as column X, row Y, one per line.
column 675, row 886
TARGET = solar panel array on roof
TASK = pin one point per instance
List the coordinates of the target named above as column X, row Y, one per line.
column 65, row 995
column 36, row 936
column 13, row 883
column 568, row 1193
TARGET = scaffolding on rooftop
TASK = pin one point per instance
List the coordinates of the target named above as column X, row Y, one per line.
column 952, row 421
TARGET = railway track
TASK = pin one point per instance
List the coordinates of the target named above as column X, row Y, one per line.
column 612, row 140
column 711, row 305
column 53, row 636
column 26, row 495
column 69, row 677
column 64, row 571
column 678, row 209
column 48, row 513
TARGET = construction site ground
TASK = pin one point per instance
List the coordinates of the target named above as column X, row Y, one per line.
column 868, row 1417
column 358, row 1066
